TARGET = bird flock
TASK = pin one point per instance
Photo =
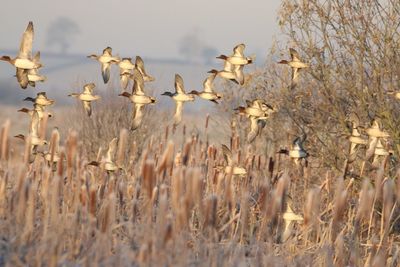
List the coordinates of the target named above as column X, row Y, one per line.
column 257, row 111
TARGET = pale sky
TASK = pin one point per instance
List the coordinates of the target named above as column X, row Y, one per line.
column 149, row 28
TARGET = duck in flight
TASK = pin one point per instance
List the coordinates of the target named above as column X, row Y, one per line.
column 23, row 61
column 297, row 151
column 238, row 58
column 35, row 139
column 296, row 64
column 105, row 59
column 109, row 162
column 138, row 99
column 208, row 93
column 180, row 97
column 87, row 97
column 125, row 70
column 230, row 167
column 41, row 99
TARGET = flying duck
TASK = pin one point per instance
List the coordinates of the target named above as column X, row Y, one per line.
column 180, row 97
column 237, row 58
column 106, row 59
column 296, row 64
column 297, row 152
column 230, row 167
column 36, row 140
column 109, row 161
column 36, row 108
column 229, row 72
column 138, row 98
column 87, row 97
column 24, row 58
column 41, row 99
column 208, row 92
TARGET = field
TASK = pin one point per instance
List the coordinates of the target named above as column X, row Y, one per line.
column 170, row 202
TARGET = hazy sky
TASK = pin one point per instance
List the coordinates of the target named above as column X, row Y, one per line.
column 151, row 28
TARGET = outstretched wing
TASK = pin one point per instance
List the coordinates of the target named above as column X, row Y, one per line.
column 295, row 75
column 139, row 64
column 178, row 112
column 34, row 131
column 253, row 129
column 112, row 147
column 88, row 107
column 138, row 83
column 137, row 116
column 238, row 50
column 294, row 55
column 25, row 49
column 88, row 88
column 105, row 72
column 107, row 51
column 179, row 86
column 22, row 78
column 227, row 155
column 208, row 83
column 124, row 78
column 238, row 70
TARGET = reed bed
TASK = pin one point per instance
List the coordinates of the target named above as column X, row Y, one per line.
column 172, row 207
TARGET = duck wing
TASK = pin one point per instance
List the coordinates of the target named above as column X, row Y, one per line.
column 294, row 55
column 124, row 78
column 227, row 155
column 88, row 107
column 107, row 51
column 138, row 83
column 34, row 129
column 88, row 88
column 254, row 129
column 295, row 75
column 208, row 83
column 238, row 70
column 179, row 85
column 178, row 112
column 139, row 64
column 105, row 72
column 112, row 147
column 137, row 116
column 22, row 78
column 25, row 49
column 238, row 51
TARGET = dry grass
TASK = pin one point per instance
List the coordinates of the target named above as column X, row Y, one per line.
column 171, row 206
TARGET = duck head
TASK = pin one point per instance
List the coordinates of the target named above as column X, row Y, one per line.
column 222, row 57
column 194, row 92
column 168, row 94
column 29, row 99
column 5, row 58
column 126, row 94
column 20, row 136
column 23, row 110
